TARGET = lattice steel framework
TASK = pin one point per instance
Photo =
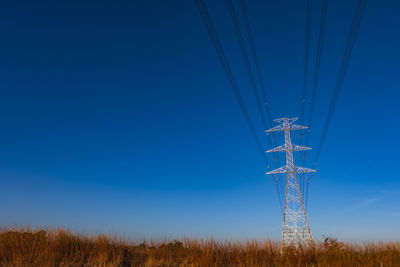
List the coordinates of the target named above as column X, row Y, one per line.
column 296, row 228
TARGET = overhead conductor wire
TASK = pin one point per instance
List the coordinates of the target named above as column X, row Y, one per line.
column 225, row 64
column 357, row 18
column 305, row 74
column 315, row 84
column 355, row 26
column 239, row 36
column 278, row 185
column 318, row 62
column 256, row 61
column 306, row 56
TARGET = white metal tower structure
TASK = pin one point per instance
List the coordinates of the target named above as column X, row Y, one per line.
column 296, row 229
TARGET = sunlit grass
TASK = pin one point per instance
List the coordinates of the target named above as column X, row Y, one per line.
column 50, row 247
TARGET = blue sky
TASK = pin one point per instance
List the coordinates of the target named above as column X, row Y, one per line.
column 118, row 118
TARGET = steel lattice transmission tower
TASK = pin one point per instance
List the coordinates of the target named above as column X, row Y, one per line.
column 296, row 229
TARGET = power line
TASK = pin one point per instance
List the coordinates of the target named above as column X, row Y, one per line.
column 224, row 61
column 318, row 63
column 305, row 78
column 256, row 61
column 250, row 73
column 306, row 190
column 306, row 55
column 358, row 15
column 245, row 56
column 258, row 69
column 279, row 190
column 221, row 55
column 321, row 36
column 239, row 36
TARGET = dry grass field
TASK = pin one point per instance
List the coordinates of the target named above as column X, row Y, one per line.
column 49, row 247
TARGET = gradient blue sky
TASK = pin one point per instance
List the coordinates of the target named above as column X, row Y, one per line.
column 116, row 117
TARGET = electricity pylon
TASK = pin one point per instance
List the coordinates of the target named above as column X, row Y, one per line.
column 296, row 229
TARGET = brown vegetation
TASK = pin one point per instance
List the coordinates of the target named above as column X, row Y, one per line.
column 24, row 247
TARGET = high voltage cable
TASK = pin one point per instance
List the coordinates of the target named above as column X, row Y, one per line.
column 306, row 55
column 245, row 56
column 318, row 62
column 358, row 15
column 221, row 55
column 278, row 190
column 306, row 190
column 258, row 69
column 256, row 61
column 224, row 61
column 321, row 36
column 239, row 36
column 305, row 75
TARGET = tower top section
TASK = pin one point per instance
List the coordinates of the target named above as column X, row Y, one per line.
column 289, row 120
column 286, row 124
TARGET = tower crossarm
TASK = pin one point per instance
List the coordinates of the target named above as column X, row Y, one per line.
column 277, row 149
column 275, row 129
column 297, row 127
column 283, row 149
column 300, row 148
column 284, row 169
column 280, row 170
column 303, row 170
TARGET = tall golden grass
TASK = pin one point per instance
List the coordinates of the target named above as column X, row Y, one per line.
column 50, row 247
